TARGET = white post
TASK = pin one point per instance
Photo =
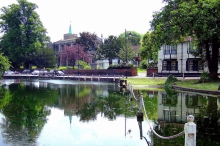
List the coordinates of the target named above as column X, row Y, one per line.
column 190, row 131
column 153, row 74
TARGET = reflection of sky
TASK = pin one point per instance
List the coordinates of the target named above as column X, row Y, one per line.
column 102, row 132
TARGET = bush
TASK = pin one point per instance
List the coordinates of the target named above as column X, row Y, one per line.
column 170, row 80
column 143, row 64
column 204, row 77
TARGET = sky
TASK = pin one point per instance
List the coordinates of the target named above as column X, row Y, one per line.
column 102, row 17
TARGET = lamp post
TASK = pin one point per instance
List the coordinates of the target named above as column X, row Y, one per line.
column 126, row 49
column 78, row 58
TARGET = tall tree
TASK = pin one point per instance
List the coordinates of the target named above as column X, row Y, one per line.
column 45, row 58
column 126, row 53
column 23, row 32
column 70, row 54
column 109, row 49
column 198, row 19
column 148, row 49
column 134, row 37
column 4, row 64
column 89, row 41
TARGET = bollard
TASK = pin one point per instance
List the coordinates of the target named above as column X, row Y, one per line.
column 153, row 74
column 183, row 76
column 190, row 131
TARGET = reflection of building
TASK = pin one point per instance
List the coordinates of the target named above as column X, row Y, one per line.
column 177, row 108
column 178, row 59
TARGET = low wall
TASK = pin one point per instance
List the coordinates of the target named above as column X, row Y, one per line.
column 151, row 71
column 104, row 72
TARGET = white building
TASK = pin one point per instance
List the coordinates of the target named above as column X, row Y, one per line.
column 177, row 59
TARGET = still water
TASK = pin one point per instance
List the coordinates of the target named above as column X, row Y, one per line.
column 71, row 113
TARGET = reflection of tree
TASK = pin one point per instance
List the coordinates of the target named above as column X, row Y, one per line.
column 207, row 124
column 168, row 130
column 151, row 107
column 5, row 97
column 25, row 114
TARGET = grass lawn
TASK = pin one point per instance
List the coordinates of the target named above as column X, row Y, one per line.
column 146, row 81
column 188, row 83
column 195, row 85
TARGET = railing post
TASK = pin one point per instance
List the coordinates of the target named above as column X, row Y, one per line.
column 190, row 131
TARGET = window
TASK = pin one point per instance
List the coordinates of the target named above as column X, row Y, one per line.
column 170, row 50
column 170, row 65
column 194, row 65
column 167, row 49
column 173, row 50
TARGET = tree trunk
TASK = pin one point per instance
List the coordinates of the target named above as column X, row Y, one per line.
column 110, row 61
column 212, row 58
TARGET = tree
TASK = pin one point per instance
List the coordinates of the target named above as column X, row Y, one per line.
column 23, row 32
column 45, row 58
column 134, row 38
column 88, row 40
column 197, row 19
column 4, row 64
column 126, row 53
column 148, row 50
column 70, row 54
column 110, row 48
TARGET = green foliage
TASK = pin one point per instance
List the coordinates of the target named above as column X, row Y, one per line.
column 132, row 36
column 89, row 41
column 122, row 66
column 144, row 64
column 198, row 19
column 45, row 58
column 23, row 33
column 126, row 53
column 170, row 80
column 82, row 65
column 110, row 48
column 4, row 64
column 205, row 77
column 149, row 48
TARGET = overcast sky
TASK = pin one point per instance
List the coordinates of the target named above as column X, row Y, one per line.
column 106, row 17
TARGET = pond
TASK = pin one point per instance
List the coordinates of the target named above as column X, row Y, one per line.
column 72, row 113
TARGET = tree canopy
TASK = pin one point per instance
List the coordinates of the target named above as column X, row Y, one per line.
column 23, row 32
column 148, row 49
column 88, row 40
column 126, row 53
column 134, row 37
column 197, row 19
column 109, row 49
column 70, row 54
column 4, row 64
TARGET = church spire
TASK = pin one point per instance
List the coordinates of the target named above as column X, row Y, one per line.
column 70, row 29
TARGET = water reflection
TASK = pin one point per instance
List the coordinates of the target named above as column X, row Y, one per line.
column 173, row 108
column 57, row 112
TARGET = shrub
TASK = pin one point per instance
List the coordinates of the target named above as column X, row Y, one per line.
column 204, row 77
column 143, row 64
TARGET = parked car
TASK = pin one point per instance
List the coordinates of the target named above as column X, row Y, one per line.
column 35, row 72
column 9, row 72
column 43, row 72
column 56, row 73
column 26, row 71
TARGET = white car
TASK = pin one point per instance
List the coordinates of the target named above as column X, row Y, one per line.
column 9, row 72
column 35, row 72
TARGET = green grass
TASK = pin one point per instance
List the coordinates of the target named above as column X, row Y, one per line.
column 146, row 81
column 195, row 85
column 139, row 70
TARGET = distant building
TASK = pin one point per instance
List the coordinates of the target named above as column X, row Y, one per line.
column 69, row 39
